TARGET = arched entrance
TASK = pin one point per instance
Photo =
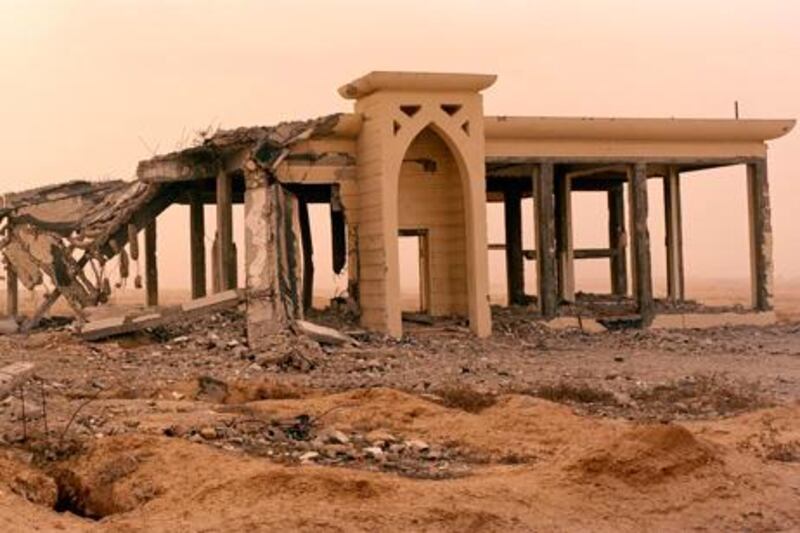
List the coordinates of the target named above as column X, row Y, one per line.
column 431, row 209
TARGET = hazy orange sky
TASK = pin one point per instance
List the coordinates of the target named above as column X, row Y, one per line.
column 91, row 87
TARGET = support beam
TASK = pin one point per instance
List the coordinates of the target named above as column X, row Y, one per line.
column 564, row 245
column 308, row 255
column 640, row 244
column 12, row 291
column 151, row 263
column 674, row 235
column 761, row 269
column 225, row 230
column 338, row 232
column 617, row 240
column 545, row 239
column 12, row 285
column 515, row 273
column 197, row 246
column 215, row 277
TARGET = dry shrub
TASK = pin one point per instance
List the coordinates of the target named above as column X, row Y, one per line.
column 465, row 398
column 244, row 392
column 564, row 392
column 711, row 391
column 785, row 452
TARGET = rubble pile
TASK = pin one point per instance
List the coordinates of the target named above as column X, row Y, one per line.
column 302, row 440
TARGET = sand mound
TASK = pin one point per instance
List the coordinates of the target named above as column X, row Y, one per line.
column 648, row 454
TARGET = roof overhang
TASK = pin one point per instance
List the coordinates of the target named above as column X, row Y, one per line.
column 636, row 129
column 415, row 82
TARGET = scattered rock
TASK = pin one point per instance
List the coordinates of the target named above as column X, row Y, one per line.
column 380, row 437
column 418, row 445
column 308, row 457
column 208, row 433
column 374, row 452
column 334, row 436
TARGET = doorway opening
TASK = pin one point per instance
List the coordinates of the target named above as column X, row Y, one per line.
column 414, row 271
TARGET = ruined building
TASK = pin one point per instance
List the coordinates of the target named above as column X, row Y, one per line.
column 416, row 157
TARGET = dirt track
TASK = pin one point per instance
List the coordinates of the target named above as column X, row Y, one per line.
column 530, row 429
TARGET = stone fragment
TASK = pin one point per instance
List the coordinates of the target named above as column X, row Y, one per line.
column 322, row 334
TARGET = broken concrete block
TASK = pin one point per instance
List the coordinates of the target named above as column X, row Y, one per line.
column 11, row 376
column 109, row 327
column 8, row 326
column 214, row 302
column 713, row 320
column 587, row 325
column 105, row 327
column 322, row 334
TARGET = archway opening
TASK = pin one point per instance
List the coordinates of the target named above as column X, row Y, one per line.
column 431, row 203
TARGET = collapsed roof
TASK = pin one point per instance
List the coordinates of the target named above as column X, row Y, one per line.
column 61, row 236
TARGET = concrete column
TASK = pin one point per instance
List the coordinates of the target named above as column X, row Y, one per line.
column 197, row 246
column 761, row 268
column 640, row 244
column 515, row 273
column 151, row 263
column 225, row 230
column 674, row 235
column 544, row 229
column 564, row 245
column 263, row 311
column 617, row 240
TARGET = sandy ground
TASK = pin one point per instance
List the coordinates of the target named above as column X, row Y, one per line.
column 188, row 429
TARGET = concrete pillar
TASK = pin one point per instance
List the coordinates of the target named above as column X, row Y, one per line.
column 225, row 230
column 674, row 235
column 151, row 263
column 617, row 240
column 197, row 246
column 564, row 246
column 544, row 229
column 761, row 268
column 640, row 243
column 263, row 311
column 515, row 268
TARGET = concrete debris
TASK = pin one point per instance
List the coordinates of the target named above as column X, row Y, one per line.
column 11, row 376
column 322, row 334
column 109, row 327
